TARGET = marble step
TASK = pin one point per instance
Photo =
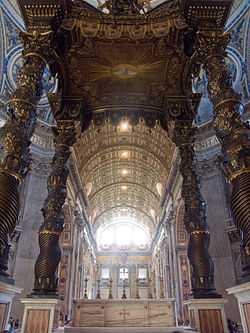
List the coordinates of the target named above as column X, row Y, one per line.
column 126, row 330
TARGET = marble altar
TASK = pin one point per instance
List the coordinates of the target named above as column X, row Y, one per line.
column 124, row 313
column 125, row 330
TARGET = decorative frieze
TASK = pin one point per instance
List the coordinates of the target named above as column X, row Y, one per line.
column 206, row 144
column 45, row 142
column 40, row 166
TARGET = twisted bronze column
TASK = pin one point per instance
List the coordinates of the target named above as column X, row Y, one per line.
column 46, row 280
column 232, row 131
column 202, row 268
column 18, row 131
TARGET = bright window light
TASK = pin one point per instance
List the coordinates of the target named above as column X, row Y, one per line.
column 140, row 237
column 107, row 238
column 105, row 273
column 124, row 273
column 122, row 233
column 142, row 273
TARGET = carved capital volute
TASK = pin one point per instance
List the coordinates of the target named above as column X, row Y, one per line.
column 211, row 44
column 39, row 45
column 211, row 53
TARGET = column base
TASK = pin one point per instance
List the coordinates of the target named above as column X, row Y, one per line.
column 40, row 315
column 242, row 294
column 7, row 293
column 207, row 315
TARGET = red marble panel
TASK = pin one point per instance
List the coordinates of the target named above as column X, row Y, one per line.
column 192, row 319
column 210, row 321
column 3, row 314
column 246, row 308
column 37, row 321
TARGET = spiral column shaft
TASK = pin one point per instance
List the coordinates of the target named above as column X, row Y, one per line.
column 232, row 131
column 18, row 131
column 241, row 209
column 50, row 252
column 202, row 268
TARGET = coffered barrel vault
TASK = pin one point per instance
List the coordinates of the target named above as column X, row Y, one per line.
column 124, row 170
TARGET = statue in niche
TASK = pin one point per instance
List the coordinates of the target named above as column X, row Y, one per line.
column 199, row 83
column 232, row 69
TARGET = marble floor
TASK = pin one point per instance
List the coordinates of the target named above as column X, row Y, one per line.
column 126, row 330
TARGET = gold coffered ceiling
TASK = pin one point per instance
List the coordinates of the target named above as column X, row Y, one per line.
column 120, row 167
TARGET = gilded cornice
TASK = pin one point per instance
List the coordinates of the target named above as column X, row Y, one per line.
column 211, row 14
column 207, row 15
column 41, row 15
column 88, row 22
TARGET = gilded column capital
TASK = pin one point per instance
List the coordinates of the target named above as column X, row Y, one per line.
column 39, row 44
column 211, row 52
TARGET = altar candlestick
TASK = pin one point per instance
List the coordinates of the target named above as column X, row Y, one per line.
column 86, row 288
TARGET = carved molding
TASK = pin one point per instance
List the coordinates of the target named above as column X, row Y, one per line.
column 206, row 167
column 42, row 141
column 206, row 143
column 41, row 166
